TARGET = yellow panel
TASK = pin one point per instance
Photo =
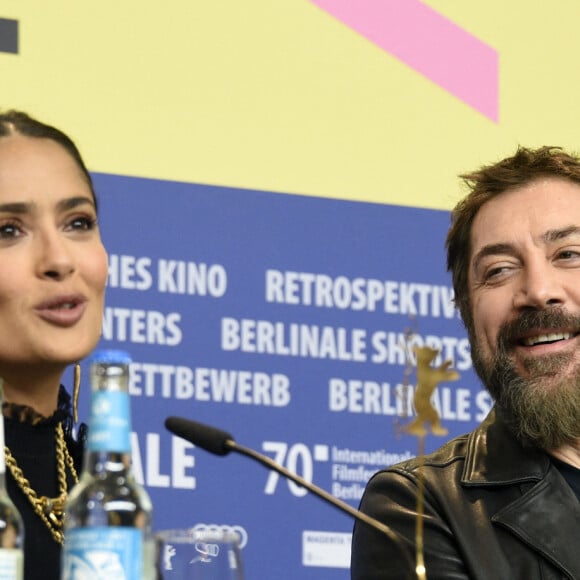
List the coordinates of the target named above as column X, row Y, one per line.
column 280, row 96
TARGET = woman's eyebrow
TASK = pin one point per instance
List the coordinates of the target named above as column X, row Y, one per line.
column 19, row 207
column 15, row 207
column 72, row 202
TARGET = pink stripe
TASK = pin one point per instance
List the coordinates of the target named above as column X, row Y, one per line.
column 429, row 43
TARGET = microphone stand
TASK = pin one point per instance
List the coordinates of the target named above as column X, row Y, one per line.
column 220, row 442
column 318, row 491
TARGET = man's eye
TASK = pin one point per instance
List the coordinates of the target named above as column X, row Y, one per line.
column 568, row 255
column 494, row 272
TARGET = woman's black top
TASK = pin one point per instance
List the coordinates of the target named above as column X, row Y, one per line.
column 31, row 440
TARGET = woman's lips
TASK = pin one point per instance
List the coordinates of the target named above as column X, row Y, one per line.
column 63, row 311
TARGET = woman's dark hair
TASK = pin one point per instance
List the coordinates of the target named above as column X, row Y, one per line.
column 20, row 123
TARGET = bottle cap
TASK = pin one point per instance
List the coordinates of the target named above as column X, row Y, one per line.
column 110, row 356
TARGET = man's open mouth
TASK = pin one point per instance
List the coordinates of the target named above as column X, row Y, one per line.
column 546, row 338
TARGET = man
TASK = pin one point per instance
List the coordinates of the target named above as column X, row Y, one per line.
column 502, row 501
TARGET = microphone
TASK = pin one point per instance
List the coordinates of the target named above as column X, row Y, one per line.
column 220, row 442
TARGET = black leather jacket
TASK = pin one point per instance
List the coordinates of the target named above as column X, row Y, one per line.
column 493, row 511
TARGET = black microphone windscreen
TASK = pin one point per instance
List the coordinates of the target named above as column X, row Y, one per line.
column 208, row 438
column 221, row 443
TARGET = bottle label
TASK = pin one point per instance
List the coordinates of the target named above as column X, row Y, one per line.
column 11, row 564
column 110, row 424
column 102, row 552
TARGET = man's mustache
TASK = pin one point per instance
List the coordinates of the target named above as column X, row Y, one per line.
column 511, row 333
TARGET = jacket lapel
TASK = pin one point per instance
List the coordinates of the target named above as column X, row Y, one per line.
column 547, row 511
column 495, row 457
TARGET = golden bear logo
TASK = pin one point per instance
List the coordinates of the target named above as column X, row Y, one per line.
column 428, row 378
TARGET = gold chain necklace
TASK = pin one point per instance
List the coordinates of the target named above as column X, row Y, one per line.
column 50, row 510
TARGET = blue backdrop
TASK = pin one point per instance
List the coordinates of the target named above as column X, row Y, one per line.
column 286, row 320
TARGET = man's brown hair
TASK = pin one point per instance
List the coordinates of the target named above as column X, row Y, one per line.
column 489, row 181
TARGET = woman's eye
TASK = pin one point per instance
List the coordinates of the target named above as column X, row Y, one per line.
column 9, row 231
column 82, row 223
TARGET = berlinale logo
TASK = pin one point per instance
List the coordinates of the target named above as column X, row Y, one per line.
column 8, row 35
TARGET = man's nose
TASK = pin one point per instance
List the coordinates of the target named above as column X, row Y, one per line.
column 540, row 286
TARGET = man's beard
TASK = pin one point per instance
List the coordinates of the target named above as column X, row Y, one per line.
column 542, row 410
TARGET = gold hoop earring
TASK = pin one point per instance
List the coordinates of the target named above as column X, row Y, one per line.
column 76, row 390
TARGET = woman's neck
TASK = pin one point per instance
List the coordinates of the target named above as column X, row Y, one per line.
column 38, row 392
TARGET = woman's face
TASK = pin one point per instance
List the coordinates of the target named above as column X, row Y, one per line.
column 53, row 266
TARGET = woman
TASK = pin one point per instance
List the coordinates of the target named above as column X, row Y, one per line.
column 53, row 271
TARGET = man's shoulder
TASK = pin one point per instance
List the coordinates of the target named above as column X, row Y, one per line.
column 440, row 470
column 490, row 454
column 448, row 454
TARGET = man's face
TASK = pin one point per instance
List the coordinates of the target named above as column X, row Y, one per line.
column 524, row 285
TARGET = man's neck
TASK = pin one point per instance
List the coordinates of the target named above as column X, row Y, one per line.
column 567, row 453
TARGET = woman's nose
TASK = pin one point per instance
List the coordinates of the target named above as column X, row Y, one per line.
column 55, row 258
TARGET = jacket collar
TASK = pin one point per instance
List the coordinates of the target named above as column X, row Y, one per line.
column 546, row 514
column 494, row 457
